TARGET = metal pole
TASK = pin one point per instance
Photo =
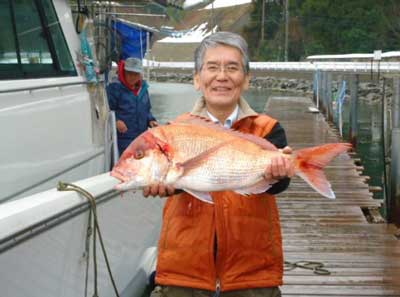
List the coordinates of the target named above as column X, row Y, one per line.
column 286, row 30
column 115, row 152
column 376, row 130
column 394, row 202
column 148, row 51
column 339, row 82
column 396, row 103
column 323, row 92
column 318, row 86
column 393, row 205
column 262, row 20
column 107, row 144
column 354, row 110
column 329, row 96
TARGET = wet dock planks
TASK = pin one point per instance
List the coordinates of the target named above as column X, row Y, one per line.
column 363, row 258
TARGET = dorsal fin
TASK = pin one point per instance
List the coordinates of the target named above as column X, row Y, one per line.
column 190, row 119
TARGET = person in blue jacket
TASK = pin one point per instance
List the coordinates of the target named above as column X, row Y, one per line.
column 129, row 98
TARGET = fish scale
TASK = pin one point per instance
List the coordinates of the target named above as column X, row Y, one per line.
column 229, row 167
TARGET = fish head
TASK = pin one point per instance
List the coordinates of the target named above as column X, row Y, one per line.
column 146, row 161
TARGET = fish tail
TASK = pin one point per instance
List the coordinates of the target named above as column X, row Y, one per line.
column 310, row 162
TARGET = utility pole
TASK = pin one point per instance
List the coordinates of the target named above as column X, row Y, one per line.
column 286, row 29
column 212, row 15
column 262, row 20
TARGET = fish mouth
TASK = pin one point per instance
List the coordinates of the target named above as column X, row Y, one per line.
column 119, row 175
column 123, row 180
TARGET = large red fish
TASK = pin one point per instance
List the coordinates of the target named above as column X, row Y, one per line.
column 201, row 157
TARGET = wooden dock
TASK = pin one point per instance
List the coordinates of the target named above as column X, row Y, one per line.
column 363, row 258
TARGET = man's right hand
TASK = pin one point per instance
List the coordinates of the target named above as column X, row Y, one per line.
column 121, row 127
column 158, row 190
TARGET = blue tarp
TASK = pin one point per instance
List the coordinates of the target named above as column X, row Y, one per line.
column 133, row 40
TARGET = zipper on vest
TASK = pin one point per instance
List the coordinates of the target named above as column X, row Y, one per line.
column 216, row 254
column 217, row 288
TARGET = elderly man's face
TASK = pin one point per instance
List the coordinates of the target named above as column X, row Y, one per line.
column 222, row 78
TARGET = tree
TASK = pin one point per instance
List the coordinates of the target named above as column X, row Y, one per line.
column 343, row 26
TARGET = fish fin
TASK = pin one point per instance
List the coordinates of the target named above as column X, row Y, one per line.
column 188, row 118
column 310, row 162
column 259, row 187
column 203, row 196
column 199, row 159
column 174, row 173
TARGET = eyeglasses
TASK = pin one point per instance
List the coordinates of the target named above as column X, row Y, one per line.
column 214, row 68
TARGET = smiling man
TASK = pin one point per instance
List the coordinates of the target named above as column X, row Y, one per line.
column 234, row 246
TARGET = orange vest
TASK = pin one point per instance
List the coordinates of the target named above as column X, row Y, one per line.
column 248, row 252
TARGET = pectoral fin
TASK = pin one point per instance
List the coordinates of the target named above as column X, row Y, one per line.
column 198, row 160
column 203, row 196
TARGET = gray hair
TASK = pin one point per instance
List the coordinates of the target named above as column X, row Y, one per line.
column 221, row 38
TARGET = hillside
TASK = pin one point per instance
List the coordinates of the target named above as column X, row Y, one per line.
column 227, row 19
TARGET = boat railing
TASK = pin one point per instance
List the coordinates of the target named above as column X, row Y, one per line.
column 42, row 211
column 391, row 67
column 47, row 86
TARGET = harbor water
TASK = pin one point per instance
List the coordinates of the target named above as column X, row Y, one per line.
column 370, row 141
column 172, row 99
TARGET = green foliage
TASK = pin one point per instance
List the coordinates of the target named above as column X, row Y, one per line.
column 325, row 27
column 343, row 26
column 269, row 50
column 269, row 47
column 174, row 14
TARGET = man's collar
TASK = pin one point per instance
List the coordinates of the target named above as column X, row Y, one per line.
column 200, row 109
column 229, row 120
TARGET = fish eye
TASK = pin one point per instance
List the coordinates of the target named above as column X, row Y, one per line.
column 139, row 154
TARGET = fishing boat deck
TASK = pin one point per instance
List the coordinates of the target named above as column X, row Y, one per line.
column 363, row 258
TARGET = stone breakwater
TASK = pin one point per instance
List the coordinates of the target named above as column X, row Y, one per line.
column 370, row 91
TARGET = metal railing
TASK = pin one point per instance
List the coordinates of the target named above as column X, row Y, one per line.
column 342, row 67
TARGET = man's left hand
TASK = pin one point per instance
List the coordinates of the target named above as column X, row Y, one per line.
column 281, row 166
column 153, row 124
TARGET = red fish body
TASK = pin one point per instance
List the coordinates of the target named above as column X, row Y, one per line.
column 201, row 157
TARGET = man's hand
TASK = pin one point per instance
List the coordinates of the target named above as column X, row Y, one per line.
column 158, row 190
column 153, row 124
column 280, row 166
column 121, row 127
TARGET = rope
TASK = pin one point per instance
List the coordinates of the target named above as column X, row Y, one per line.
column 316, row 267
column 89, row 231
column 92, row 200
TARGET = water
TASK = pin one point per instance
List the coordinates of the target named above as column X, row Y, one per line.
column 369, row 142
column 169, row 100
column 172, row 99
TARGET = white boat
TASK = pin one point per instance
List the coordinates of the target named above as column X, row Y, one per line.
column 55, row 126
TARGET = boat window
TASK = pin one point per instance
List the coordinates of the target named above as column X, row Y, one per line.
column 32, row 43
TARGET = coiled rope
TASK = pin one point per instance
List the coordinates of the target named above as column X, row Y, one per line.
column 316, row 267
column 92, row 225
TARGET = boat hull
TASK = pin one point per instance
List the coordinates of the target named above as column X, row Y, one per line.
column 44, row 246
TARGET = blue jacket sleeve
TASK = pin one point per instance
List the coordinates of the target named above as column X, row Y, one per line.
column 150, row 116
column 112, row 96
